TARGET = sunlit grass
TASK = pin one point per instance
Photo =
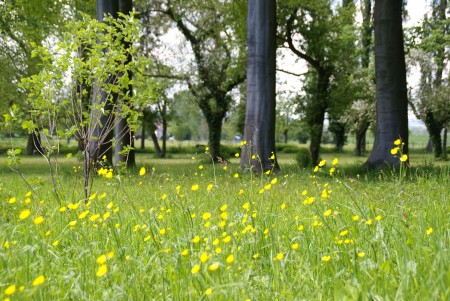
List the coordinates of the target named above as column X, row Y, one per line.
column 179, row 232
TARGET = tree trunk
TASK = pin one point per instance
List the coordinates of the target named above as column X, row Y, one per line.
column 214, row 122
column 316, row 114
column 143, row 136
column 285, row 136
column 391, row 91
column 34, row 146
column 434, row 130
column 429, row 146
column 360, row 147
column 164, row 137
column 444, row 145
column 156, row 144
column 123, row 134
column 259, row 129
column 124, row 153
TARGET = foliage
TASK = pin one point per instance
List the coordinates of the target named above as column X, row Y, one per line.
column 215, row 34
column 56, row 94
column 322, row 36
column 303, row 158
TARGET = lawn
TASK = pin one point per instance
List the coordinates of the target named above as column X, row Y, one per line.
column 188, row 229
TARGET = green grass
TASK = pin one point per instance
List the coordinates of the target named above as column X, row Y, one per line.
column 374, row 229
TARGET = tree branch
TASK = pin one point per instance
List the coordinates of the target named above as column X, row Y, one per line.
column 291, row 73
column 300, row 54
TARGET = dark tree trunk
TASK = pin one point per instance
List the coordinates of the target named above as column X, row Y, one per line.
column 124, row 141
column 156, row 144
column 34, row 146
column 429, row 146
column 101, row 145
column 433, row 125
column 214, row 122
column 391, row 91
column 123, row 134
column 367, row 29
column 360, row 148
column 164, row 137
column 444, row 144
column 259, row 129
column 285, row 135
column 316, row 114
column 366, row 33
column 143, row 136
column 338, row 129
column 434, row 130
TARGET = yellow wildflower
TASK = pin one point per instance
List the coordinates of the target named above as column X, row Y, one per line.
column 102, row 270
column 142, row 171
column 24, row 214
column 10, row 290
column 38, row 220
column 39, row 280
column 195, row 269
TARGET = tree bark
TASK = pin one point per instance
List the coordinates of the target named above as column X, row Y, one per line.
column 214, row 122
column 444, row 144
column 259, row 131
column 391, row 91
column 143, row 136
column 434, row 128
column 123, row 134
column 164, row 136
column 360, row 147
column 316, row 113
column 156, row 144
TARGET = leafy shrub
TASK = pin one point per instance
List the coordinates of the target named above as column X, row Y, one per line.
column 303, row 158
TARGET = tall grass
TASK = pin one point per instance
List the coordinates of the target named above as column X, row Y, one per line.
column 180, row 233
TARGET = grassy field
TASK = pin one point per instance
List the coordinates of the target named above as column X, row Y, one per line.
column 191, row 230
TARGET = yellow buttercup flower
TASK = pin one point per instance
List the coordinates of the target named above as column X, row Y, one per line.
column 101, row 259
column 208, row 291
column 195, row 269
column 279, row 256
column 335, row 161
column 361, row 254
column 214, row 266
column 326, row 258
column 429, row 231
column 206, row 215
column 39, row 280
column 404, row 158
column 398, row 142
column 194, row 187
column 230, row 259
column 24, row 214
column 38, row 220
column 102, row 270
column 394, row 151
column 142, row 171
column 10, row 290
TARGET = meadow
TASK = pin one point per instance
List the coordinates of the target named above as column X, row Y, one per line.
column 185, row 229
